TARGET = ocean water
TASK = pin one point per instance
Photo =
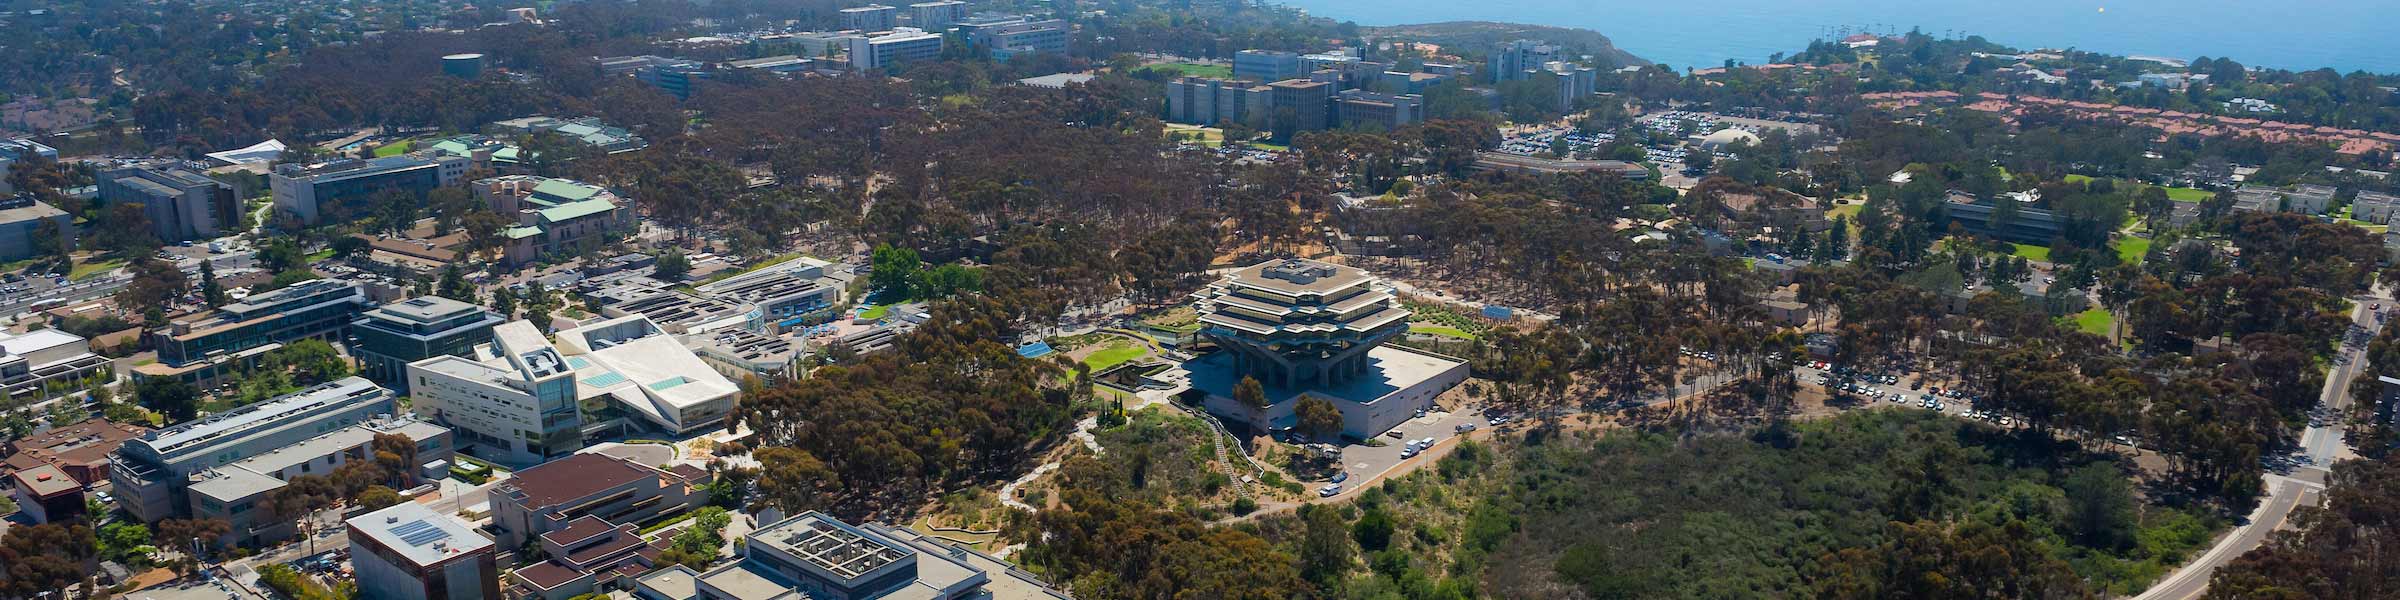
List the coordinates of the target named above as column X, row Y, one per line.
column 2346, row 35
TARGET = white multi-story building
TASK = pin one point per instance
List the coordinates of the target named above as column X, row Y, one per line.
column 902, row 45
column 511, row 402
column 640, row 370
column 46, row 357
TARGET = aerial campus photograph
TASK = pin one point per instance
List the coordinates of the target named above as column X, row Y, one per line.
column 1199, row 300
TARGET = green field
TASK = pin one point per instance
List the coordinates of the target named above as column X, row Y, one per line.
column 2078, row 179
column 2131, row 250
column 876, row 312
column 1440, row 330
column 2032, row 252
column 2184, row 194
column 394, row 149
column 1117, row 353
column 89, row 270
column 2096, row 321
column 1195, row 70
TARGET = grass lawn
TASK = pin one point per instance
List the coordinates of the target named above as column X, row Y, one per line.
column 394, row 148
column 2078, row 178
column 2184, row 194
column 1195, row 70
column 1115, row 354
column 2032, row 252
column 2096, row 321
column 88, row 270
column 1440, row 330
column 877, row 312
column 2131, row 250
column 1271, row 147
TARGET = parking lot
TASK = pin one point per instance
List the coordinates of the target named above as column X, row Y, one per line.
column 1364, row 463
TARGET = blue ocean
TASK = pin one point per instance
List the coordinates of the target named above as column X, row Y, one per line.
column 2345, row 35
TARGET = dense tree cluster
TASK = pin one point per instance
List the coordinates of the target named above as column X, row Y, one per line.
column 2337, row 552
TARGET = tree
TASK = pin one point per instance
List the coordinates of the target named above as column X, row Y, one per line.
column 1318, row 417
column 672, row 265
column 377, row 497
column 210, row 291
column 1325, row 546
column 47, row 558
column 127, row 543
column 894, row 270
column 2338, row 552
column 1373, row 530
column 2100, row 507
column 156, row 284
column 186, row 536
column 1250, row 393
column 793, row 480
column 172, row 397
column 698, row 545
column 504, row 302
column 454, row 285
column 348, row 246
column 281, row 254
column 951, row 280
column 310, row 362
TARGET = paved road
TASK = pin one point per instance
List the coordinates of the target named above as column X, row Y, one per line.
column 2322, row 443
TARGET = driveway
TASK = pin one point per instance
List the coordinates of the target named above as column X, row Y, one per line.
column 1367, row 463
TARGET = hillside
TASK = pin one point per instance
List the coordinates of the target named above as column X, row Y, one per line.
column 1484, row 34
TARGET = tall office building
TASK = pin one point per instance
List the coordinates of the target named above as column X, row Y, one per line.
column 21, row 219
column 1266, row 65
column 182, row 203
column 1513, row 60
column 1373, row 110
column 935, row 16
column 344, row 190
column 512, row 401
column 1006, row 40
column 410, row 552
column 387, row 339
column 872, row 17
column 1299, row 105
column 902, row 45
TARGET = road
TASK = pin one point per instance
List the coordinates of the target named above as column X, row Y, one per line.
column 2322, row 443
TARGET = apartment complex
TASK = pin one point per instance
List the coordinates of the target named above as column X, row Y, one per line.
column 551, row 496
column 344, row 189
column 409, row 552
column 554, row 216
column 387, row 339
column 814, row 555
column 510, row 401
column 1522, row 60
column 182, row 203
column 204, row 348
column 37, row 363
column 21, row 219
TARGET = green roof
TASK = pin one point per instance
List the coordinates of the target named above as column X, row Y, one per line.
column 576, row 210
column 560, row 191
column 522, row 232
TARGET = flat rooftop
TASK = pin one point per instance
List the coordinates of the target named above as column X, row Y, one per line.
column 347, row 389
column 419, row 534
column 1295, row 276
column 1389, row 370
column 576, row 477
column 845, row 552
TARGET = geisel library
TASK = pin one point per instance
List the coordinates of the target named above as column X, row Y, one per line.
column 1307, row 328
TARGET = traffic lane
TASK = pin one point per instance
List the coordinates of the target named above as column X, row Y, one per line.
column 1366, row 463
column 2192, row 580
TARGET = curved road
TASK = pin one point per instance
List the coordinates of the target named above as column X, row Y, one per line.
column 2322, row 443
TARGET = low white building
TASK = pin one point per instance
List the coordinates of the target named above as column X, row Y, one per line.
column 31, row 360
column 639, row 368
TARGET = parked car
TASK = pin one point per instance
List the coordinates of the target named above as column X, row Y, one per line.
column 1463, row 428
column 1330, row 491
